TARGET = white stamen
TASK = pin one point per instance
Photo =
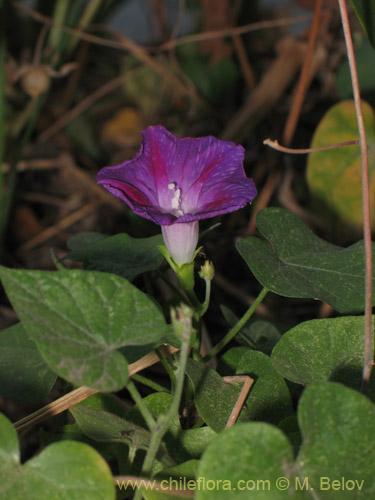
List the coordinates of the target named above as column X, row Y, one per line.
column 176, row 200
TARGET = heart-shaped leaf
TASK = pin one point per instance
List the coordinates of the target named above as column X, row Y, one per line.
column 322, row 349
column 124, row 255
column 214, row 398
column 338, row 428
column 244, row 462
column 228, row 362
column 334, row 176
column 336, row 460
column 81, row 243
column 24, row 375
column 66, row 471
column 80, row 319
column 303, row 265
column 105, row 427
column 269, row 399
column 365, row 60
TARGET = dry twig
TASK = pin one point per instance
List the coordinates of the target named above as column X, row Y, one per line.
column 78, row 395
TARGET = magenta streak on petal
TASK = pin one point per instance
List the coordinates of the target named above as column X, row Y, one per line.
column 173, row 180
column 157, row 165
column 202, row 179
column 200, row 184
column 132, row 193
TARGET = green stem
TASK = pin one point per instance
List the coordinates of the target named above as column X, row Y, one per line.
column 7, row 204
column 237, row 327
column 167, row 367
column 86, row 17
column 164, row 421
column 206, row 302
column 145, row 412
column 59, row 15
column 149, row 383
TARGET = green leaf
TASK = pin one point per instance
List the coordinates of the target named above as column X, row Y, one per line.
column 104, row 401
column 158, row 403
column 181, row 445
column 303, row 265
column 365, row 60
column 338, row 428
column 120, row 254
column 336, row 460
column 269, row 398
column 251, row 456
column 24, row 375
column 334, row 176
column 80, row 243
column 193, row 442
column 103, row 426
column 124, row 255
column 258, row 334
column 214, row 398
column 63, row 471
column 110, row 451
column 79, row 320
column 322, row 349
column 228, row 362
column 365, row 10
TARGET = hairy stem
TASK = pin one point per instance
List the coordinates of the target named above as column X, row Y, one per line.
column 237, row 327
column 164, row 421
column 368, row 355
column 137, row 398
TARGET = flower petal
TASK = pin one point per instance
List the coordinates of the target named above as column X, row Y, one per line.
column 173, row 179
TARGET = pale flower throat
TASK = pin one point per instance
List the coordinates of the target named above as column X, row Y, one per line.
column 176, row 199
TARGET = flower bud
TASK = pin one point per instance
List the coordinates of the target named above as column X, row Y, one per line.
column 207, row 271
column 181, row 317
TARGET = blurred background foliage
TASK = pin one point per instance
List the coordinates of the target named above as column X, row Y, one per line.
column 80, row 79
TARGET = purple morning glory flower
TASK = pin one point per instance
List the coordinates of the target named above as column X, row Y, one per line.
column 175, row 182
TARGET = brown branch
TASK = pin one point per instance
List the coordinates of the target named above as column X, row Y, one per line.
column 368, row 355
column 283, row 149
column 269, row 90
column 240, row 30
column 247, row 71
column 247, row 384
column 83, row 105
column 78, row 395
column 64, row 223
column 303, row 81
column 124, row 44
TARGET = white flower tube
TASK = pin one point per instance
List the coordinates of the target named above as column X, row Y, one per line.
column 181, row 240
